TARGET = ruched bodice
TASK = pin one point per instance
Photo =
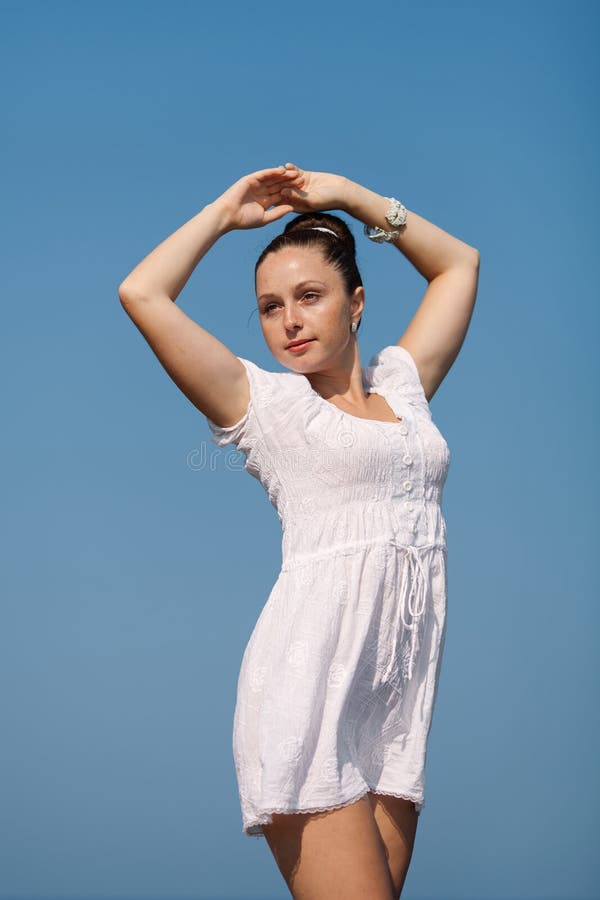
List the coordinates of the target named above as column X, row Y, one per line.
column 361, row 593
column 360, row 523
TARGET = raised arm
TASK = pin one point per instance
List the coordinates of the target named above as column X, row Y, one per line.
column 437, row 330
column 207, row 372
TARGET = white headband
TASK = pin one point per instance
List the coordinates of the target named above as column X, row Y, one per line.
column 320, row 228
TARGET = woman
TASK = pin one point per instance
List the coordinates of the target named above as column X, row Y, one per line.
column 339, row 678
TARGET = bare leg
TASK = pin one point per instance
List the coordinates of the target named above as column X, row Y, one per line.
column 332, row 855
column 397, row 821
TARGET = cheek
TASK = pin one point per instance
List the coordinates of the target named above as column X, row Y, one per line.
column 340, row 312
column 332, row 320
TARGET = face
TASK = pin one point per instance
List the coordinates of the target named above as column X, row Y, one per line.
column 302, row 296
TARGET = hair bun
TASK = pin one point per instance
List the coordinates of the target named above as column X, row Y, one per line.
column 319, row 220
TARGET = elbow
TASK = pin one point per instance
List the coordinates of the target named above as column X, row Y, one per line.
column 123, row 292
column 126, row 293
column 468, row 257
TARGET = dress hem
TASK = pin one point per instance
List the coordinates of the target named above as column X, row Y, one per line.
column 266, row 818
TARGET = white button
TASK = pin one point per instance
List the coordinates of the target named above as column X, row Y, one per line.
column 409, row 506
column 407, row 485
column 407, row 458
column 403, row 429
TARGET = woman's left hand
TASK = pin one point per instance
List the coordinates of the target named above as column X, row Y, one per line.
column 314, row 191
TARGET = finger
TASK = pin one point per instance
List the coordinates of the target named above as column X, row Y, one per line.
column 287, row 198
column 294, row 167
column 275, row 172
column 290, row 176
column 273, row 198
column 293, row 192
column 269, row 173
column 275, row 189
column 277, row 212
column 265, row 178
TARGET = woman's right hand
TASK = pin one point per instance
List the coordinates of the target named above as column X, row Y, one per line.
column 246, row 203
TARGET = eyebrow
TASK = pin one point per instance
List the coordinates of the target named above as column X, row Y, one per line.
column 298, row 287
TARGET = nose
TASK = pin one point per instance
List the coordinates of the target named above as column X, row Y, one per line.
column 292, row 317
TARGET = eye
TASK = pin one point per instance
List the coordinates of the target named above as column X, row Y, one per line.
column 311, row 294
column 268, row 307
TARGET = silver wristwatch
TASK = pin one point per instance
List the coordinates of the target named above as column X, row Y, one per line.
column 396, row 216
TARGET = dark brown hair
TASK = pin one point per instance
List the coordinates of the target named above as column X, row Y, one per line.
column 340, row 250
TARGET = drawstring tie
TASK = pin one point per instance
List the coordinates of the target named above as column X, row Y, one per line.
column 412, row 601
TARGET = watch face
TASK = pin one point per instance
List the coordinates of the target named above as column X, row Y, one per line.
column 396, row 214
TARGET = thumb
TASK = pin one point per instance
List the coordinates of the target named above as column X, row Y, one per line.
column 278, row 212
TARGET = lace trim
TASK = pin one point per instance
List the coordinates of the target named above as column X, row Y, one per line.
column 266, row 818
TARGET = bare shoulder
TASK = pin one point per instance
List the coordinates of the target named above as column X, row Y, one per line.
column 210, row 375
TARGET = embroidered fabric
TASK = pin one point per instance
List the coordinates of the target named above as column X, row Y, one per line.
column 338, row 681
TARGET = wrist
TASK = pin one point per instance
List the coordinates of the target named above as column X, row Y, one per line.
column 222, row 216
column 347, row 193
column 367, row 206
column 362, row 203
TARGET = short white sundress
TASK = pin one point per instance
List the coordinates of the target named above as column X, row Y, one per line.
column 338, row 680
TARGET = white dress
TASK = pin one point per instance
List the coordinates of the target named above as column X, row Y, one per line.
column 338, row 681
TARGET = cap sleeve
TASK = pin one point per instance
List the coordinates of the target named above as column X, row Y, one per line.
column 245, row 433
column 395, row 368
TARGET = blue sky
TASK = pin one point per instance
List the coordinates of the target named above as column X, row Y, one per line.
column 132, row 576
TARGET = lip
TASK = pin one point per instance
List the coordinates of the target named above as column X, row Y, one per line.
column 299, row 344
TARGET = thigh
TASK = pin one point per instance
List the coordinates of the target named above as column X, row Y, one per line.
column 397, row 821
column 332, row 855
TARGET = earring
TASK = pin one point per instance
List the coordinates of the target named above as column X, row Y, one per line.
column 353, row 327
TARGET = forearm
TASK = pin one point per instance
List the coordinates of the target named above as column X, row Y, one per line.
column 430, row 249
column 168, row 267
